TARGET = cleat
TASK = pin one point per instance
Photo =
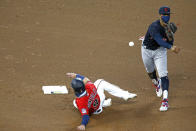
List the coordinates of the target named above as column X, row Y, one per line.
column 164, row 105
column 157, row 86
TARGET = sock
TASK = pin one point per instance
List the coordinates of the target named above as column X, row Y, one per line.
column 165, row 94
column 165, row 83
column 165, row 86
column 153, row 75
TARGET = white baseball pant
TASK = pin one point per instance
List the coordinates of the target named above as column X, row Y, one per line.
column 155, row 58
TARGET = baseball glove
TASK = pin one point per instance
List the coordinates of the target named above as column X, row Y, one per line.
column 170, row 29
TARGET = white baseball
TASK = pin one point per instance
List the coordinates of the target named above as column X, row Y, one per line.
column 131, row 43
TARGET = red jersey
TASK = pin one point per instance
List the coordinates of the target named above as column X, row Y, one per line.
column 90, row 102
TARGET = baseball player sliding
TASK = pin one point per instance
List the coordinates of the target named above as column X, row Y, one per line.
column 159, row 38
column 90, row 97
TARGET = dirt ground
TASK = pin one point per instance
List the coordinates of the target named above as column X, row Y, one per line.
column 41, row 40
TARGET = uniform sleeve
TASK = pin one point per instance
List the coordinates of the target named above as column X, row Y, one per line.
column 84, row 112
column 154, row 32
column 83, row 108
column 82, row 105
column 85, row 119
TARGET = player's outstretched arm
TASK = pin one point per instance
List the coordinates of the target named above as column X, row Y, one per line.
column 74, row 75
column 85, row 119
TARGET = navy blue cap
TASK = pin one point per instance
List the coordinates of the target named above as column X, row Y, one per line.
column 164, row 10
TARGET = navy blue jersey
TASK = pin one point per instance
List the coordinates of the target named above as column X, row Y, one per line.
column 156, row 37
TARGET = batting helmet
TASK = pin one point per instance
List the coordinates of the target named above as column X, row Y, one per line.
column 78, row 86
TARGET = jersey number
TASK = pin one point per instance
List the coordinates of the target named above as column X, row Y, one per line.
column 95, row 103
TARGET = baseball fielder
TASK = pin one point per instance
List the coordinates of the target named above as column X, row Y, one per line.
column 158, row 39
column 90, row 97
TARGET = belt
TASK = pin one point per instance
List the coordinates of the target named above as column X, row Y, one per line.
column 150, row 48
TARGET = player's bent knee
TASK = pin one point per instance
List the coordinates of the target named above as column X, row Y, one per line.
column 97, row 82
column 150, row 69
column 162, row 74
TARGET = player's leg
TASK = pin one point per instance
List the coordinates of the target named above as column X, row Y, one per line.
column 115, row 90
column 147, row 57
column 161, row 65
column 100, row 91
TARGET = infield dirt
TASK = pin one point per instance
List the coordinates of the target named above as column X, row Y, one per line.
column 41, row 40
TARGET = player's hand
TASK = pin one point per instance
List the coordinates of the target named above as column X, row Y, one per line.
column 175, row 49
column 72, row 75
column 81, row 127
